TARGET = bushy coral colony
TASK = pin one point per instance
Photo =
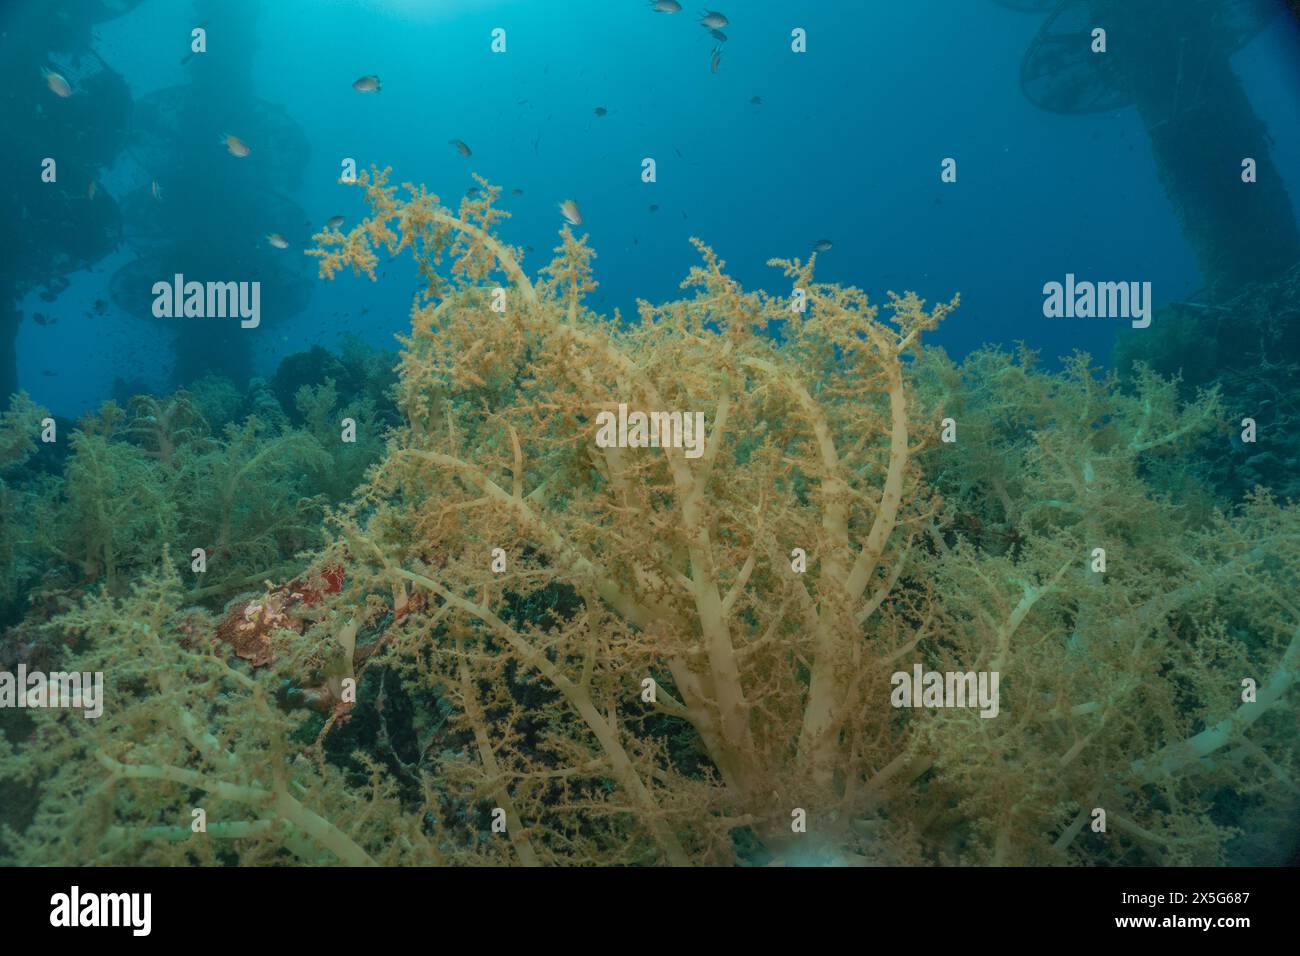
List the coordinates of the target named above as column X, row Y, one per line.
column 519, row 644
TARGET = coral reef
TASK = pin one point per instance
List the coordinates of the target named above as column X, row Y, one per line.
column 251, row 492
column 187, row 731
column 20, row 424
column 1248, row 345
column 135, row 484
column 640, row 655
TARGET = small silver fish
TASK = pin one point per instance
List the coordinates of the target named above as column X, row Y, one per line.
column 822, row 245
column 460, row 145
column 715, row 60
column 718, row 35
column 57, row 84
column 569, row 210
column 713, row 20
column 278, row 241
column 333, row 222
column 367, row 84
column 666, row 6
column 235, row 146
column 155, row 190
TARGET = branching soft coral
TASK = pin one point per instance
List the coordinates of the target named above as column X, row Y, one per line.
column 671, row 568
column 323, row 415
column 136, row 484
column 634, row 564
column 1109, row 666
column 113, row 514
column 248, row 502
column 184, row 731
column 161, row 426
column 20, row 428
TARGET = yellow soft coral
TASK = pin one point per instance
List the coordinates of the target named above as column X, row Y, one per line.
column 692, row 662
column 682, row 565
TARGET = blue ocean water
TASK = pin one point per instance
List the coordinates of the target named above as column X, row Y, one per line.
column 844, row 143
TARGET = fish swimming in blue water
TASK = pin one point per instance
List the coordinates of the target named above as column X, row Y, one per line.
column 569, row 209
column 57, row 83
